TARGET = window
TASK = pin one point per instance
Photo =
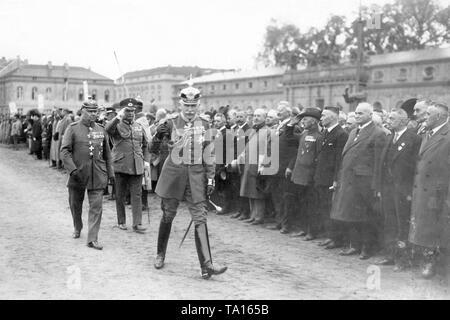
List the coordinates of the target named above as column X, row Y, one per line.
column 48, row 93
column 320, row 103
column 152, row 87
column 265, row 83
column 94, row 94
column 159, row 87
column 250, row 85
column 236, row 86
column 378, row 76
column 428, row 73
column 20, row 93
column 81, row 95
column 212, row 87
column 34, row 93
column 224, row 87
column 106, row 95
column 402, row 73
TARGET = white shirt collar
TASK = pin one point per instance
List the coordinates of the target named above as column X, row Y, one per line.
column 433, row 131
column 332, row 127
column 399, row 133
column 365, row 125
column 240, row 127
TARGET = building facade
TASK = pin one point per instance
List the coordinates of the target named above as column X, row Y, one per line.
column 238, row 89
column 59, row 86
column 387, row 79
column 155, row 86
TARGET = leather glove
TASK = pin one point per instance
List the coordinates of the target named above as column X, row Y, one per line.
column 209, row 189
column 288, row 173
column 120, row 113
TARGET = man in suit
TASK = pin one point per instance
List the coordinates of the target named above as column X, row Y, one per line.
column 252, row 183
column 430, row 215
column 188, row 173
column 282, row 189
column 62, row 125
column 420, row 114
column 87, row 158
column 130, row 155
column 241, row 132
column 302, row 170
column 326, row 176
column 355, row 195
column 223, row 184
column 394, row 186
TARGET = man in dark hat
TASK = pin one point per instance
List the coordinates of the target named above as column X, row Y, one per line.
column 130, row 154
column 87, row 158
column 187, row 174
column 327, row 168
column 301, row 172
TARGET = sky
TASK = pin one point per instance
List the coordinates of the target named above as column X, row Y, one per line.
column 152, row 33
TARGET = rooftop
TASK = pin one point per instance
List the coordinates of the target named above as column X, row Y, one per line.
column 410, row 56
column 183, row 70
column 239, row 74
column 71, row 72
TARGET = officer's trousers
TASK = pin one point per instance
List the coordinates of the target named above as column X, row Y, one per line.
column 197, row 210
column 76, row 198
column 133, row 183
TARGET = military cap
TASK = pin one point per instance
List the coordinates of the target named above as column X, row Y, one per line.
column 129, row 103
column 310, row 112
column 90, row 105
column 110, row 109
column 332, row 108
column 190, row 96
column 139, row 101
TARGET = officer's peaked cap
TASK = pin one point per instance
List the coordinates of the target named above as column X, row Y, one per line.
column 129, row 103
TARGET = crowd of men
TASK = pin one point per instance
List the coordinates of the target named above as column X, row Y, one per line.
column 369, row 182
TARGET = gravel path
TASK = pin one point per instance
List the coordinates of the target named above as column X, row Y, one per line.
column 40, row 260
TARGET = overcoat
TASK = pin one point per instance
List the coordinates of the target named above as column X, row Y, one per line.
column 85, row 148
column 430, row 216
column 188, row 163
column 355, row 195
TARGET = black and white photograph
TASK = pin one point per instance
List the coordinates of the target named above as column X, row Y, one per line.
column 234, row 151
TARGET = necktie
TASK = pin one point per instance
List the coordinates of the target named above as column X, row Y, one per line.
column 395, row 137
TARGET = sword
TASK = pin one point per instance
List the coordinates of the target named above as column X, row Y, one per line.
column 185, row 234
column 218, row 208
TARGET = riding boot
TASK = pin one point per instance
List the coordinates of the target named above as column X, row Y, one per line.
column 163, row 239
column 204, row 252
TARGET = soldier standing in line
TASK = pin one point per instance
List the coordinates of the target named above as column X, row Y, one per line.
column 186, row 174
column 87, row 158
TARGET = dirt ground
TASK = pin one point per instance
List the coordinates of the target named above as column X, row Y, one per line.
column 40, row 260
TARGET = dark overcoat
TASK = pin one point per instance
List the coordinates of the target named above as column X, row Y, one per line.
column 355, row 195
column 430, row 215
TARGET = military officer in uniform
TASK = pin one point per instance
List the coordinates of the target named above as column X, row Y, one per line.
column 130, row 154
column 187, row 175
column 87, row 158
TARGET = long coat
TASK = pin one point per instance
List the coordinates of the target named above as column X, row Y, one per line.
column 252, row 184
column 85, row 148
column 330, row 157
column 179, row 170
column 355, row 195
column 430, row 216
column 130, row 147
column 398, row 167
